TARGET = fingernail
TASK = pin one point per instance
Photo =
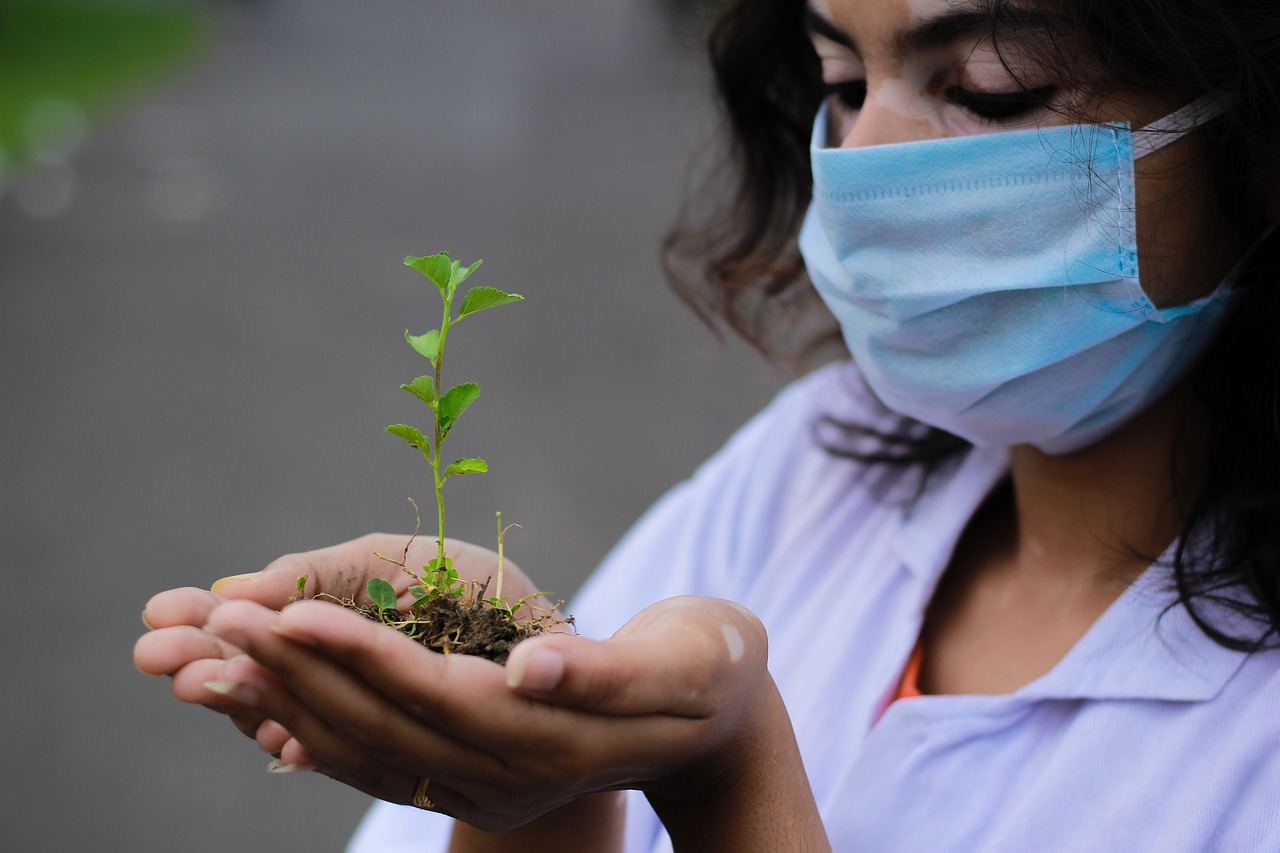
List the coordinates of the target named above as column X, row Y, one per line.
column 233, row 690
column 221, row 582
column 536, row 669
column 150, row 627
column 275, row 765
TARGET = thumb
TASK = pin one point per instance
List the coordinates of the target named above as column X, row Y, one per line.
column 674, row 658
column 269, row 589
column 276, row 584
column 338, row 570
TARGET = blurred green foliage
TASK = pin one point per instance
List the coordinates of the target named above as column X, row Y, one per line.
column 91, row 55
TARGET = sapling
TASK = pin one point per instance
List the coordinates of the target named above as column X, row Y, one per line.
column 448, row 614
column 446, row 274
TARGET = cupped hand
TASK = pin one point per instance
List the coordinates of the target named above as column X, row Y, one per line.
column 178, row 646
column 678, row 703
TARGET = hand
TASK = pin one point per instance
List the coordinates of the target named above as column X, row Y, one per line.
column 178, row 647
column 678, row 704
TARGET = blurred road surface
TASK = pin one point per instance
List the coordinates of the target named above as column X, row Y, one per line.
column 201, row 338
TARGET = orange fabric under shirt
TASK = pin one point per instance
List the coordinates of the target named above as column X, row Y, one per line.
column 909, row 687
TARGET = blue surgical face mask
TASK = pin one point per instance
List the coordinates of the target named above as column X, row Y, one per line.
column 988, row 285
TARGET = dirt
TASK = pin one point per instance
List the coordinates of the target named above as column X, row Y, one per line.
column 455, row 626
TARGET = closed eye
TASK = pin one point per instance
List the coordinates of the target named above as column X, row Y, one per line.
column 1000, row 106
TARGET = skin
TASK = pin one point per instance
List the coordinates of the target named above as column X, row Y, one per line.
column 679, row 704
column 703, row 732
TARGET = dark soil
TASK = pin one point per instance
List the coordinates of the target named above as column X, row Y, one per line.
column 453, row 626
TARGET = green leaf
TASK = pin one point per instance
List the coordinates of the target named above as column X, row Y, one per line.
column 436, row 267
column 423, row 388
column 434, row 563
column 463, row 275
column 454, row 402
column 427, row 346
column 411, row 435
column 382, row 594
column 467, row 466
column 480, row 298
column 454, row 271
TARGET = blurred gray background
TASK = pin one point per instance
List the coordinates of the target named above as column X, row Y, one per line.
column 201, row 316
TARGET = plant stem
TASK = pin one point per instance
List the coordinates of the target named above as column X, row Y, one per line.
column 498, row 593
column 438, row 365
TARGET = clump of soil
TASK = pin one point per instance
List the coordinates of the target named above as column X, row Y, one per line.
column 465, row 624
column 455, row 617
column 454, row 626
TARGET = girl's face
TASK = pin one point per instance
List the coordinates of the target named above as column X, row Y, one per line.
column 907, row 70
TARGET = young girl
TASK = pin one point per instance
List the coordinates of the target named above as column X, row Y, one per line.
column 1018, row 561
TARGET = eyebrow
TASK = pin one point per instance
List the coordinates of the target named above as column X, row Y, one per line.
column 963, row 22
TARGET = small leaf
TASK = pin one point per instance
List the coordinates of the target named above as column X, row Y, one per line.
column 382, row 594
column 434, row 564
column 419, row 593
column 411, row 435
column 480, row 298
column 427, row 346
column 302, row 582
column 467, row 466
column 454, row 402
column 454, row 270
column 436, row 267
column 423, row 388
column 463, row 275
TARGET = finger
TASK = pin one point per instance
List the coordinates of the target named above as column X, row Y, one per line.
column 668, row 660
column 374, row 704
column 185, row 606
column 488, row 756
column 340, row 571
column 166, row 650
column 292, row 754
column 191, row 685
column 271, row 737
column 444, row 690
column 344, row 709
column 315, row 745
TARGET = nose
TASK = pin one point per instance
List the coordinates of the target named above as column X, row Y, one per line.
column 885, row 119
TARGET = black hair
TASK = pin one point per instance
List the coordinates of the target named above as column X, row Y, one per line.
column 733, row 256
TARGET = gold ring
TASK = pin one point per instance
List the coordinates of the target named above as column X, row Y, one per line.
column 420, row 798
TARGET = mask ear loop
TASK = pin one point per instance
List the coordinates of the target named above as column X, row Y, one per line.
column 1178, row 124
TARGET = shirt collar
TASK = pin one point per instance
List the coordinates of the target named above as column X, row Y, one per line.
column 1144, row 646
column 932, row 524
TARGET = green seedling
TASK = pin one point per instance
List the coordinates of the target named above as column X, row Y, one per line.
column 448, row 614
column 438, row 578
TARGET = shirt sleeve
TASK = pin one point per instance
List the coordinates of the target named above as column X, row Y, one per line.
column 709, row 534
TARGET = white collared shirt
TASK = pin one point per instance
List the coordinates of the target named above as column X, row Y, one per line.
column 1146, row 736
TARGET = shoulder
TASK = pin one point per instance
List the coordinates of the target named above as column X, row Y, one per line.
column 797, row 422
column 776, row 480
column 782, row 452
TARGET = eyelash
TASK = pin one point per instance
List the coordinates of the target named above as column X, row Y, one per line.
column 990, row 106
column 1000, row 106
column 850, row 93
